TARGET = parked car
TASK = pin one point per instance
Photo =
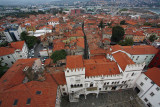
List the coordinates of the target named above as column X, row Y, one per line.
column 32, row 50
column 32, row 54
column 46, row 57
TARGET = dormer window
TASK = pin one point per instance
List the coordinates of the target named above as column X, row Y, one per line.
column 38, row 92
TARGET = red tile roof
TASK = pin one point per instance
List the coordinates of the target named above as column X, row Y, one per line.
column 153, row 74
column 46, row 26
column 100, row 67
column 9, row 79
column 6, row 51
column 47, row 61
column 74, row 61
column 136, row 50
column 122, row 59
column 17, row 45
column 59, row 77
column 54, row 20
column 98, row 51
column 58, row 46
column 98, row 57
column 22, row 92
column 139, row 33
column 142, row 49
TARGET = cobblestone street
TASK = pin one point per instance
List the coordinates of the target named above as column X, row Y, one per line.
column 123, row 98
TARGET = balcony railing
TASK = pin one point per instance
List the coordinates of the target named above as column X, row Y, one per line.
column 114, row 85
column 91, row 89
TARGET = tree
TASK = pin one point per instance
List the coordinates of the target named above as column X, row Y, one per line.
column 124, row 9
column 58, row 55
column 147, row 24
column 23, row 35
column 126, row 42
column 152, row 38
column 30, row 40
column 4, row 44
column 123, row 22
column 117, row 34
column 101, row 25
column 2, row 68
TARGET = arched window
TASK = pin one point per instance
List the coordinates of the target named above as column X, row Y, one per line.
column 71, row 86
column 75, row 85
column 81, row 85
column 91, row 85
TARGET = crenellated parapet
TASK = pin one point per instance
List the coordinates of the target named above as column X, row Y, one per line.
column 135, row 67
column 74, row 71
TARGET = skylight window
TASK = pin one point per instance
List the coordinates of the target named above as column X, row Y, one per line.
column 38, row 92
column 4, row 80
column 15, row 102
column 28, row 101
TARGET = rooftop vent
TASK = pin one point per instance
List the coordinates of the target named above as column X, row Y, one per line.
column 26, row 68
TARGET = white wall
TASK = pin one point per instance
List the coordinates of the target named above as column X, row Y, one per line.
column 146, row 89
column 53, row 23
column 153, row 100
column 65, row 89
column 25, row 51
column 7, row 60
column 75, row 77
column 142, row 59
column 146, row 84
column 17, row 35
column 9, row 39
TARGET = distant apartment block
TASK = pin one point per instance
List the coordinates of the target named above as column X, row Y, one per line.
column 13, row 33
column 15, row 51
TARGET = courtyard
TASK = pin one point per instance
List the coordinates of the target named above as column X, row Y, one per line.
column 122, row 98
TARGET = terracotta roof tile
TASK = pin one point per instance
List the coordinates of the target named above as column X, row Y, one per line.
column 8, row 79
column 74, row 61
column 17, row 45
column 153, row 74
column 122, row 59
column 136, row 50
column 47, row 61
column 46, row 98
column 60, row 77
column 6, row 51
column 98, row 68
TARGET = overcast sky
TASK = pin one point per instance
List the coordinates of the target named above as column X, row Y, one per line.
column 14, row 2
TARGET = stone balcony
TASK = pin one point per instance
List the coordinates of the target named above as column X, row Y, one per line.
column 92, row 89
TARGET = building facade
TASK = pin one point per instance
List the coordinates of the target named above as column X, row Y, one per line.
column 15, row 51
column 156, row 61
column 99, row 75
column 13, row 33
column 148, row 87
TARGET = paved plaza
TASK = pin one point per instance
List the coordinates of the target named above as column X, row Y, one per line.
column 123, row 98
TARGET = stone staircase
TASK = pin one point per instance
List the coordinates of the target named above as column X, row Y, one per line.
column 74, row 97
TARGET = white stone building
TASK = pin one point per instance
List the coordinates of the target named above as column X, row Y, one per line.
column 148, row 87
column 15, row 51
column 100, row 75
column 139, row 53
column 119, row 70
column 53, row 22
